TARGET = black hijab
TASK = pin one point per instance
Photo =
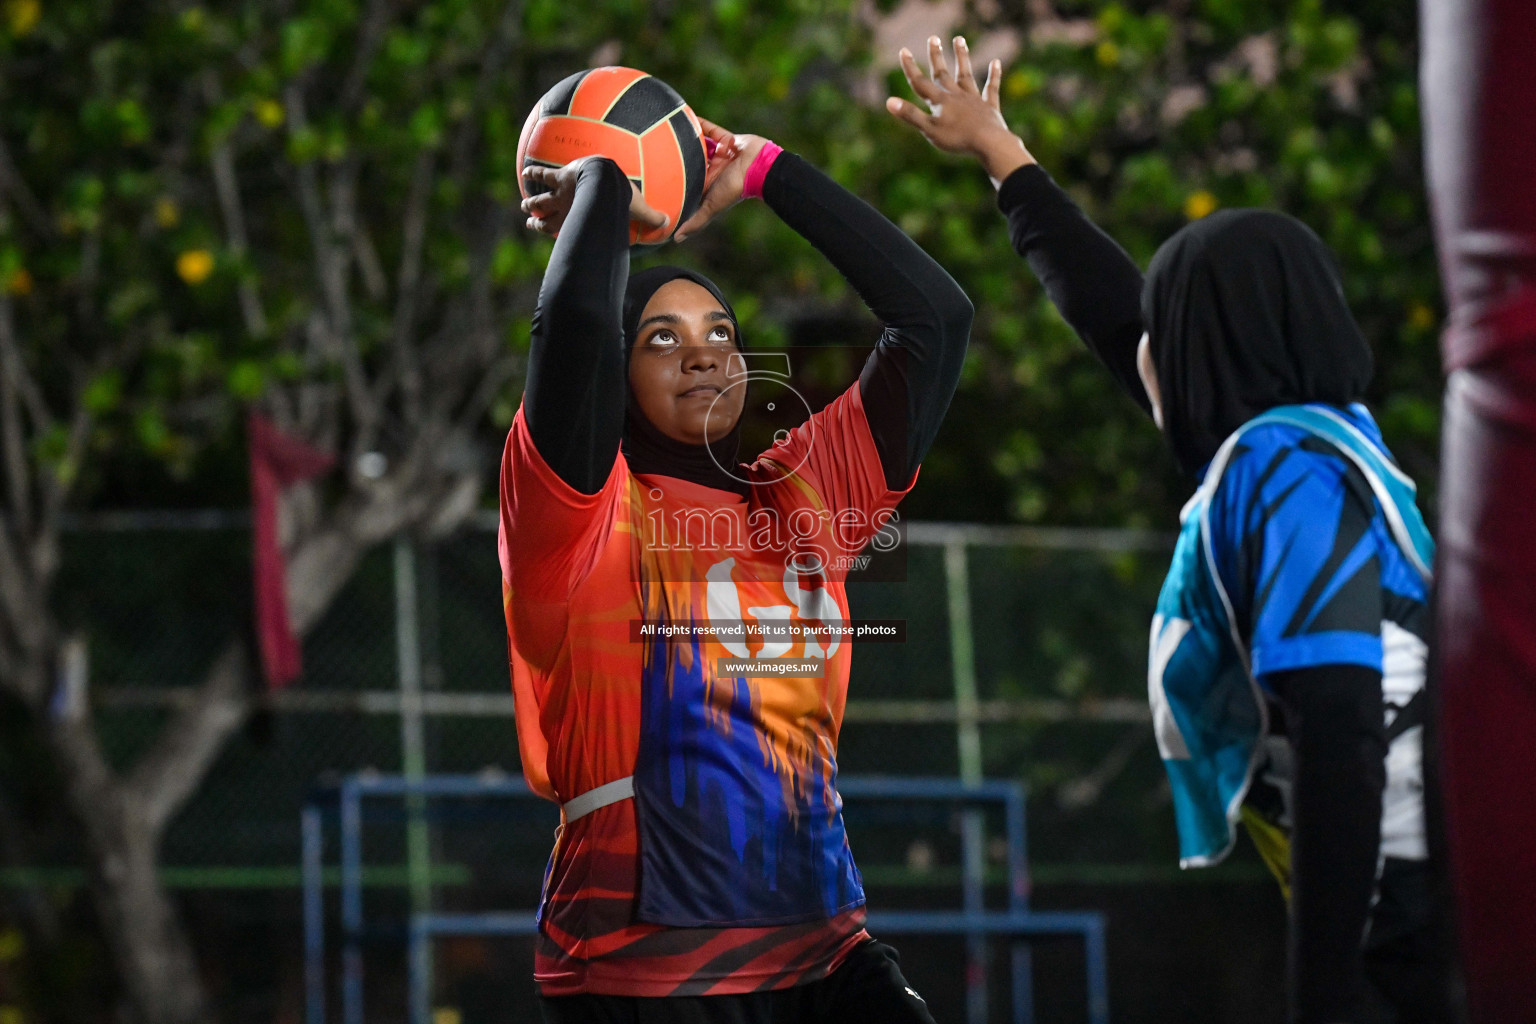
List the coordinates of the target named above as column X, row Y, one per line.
column 645, row 447
column 1245, row 310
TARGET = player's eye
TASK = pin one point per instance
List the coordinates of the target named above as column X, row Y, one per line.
column 664, row 337
column 720, row 333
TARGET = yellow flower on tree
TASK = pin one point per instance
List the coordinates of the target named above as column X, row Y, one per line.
column 1107, row 54
column 269, row 112
column 1420, row 317
column 194, row 265
column 167, row 213
column 1200, row 204
column 20, row 282
column 21, row 16
column 12, row 945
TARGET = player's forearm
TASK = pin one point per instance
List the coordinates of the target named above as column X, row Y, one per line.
column 574, row 400
column 1000, row 154
column 900, row 283
column 910, row 379
column 1092, row 281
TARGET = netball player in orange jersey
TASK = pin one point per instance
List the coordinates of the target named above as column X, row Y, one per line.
column 702, row 872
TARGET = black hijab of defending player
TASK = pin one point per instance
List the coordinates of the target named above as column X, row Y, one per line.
column 1245, row 311
column 645, row 447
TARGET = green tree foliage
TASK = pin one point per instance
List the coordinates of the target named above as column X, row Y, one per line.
column 1150, row 113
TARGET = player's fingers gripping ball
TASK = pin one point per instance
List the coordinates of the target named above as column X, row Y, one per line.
column 638, row 122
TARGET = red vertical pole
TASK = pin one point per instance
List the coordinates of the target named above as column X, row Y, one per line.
column 1478, row 87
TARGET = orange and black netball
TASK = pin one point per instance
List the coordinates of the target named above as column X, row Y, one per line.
column 637, row 121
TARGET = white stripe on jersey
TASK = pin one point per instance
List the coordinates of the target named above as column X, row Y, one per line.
column 1403, row 659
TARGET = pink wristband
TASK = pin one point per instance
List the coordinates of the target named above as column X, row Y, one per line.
column 752, row 187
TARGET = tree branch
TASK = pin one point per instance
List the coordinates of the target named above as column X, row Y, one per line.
column 408, row 281
column 24, row 619
column 318, row 567
column 331, row 268
column 16, row 368
column 322, row 564
column 344, row 239
column 90, row 276
column 186, row 749
column 481, row 335
column 18, row 475
column 368, row 39
column 23, row 575
column 491, row 382
column 57, row 487
column 312, row 205
column 9, row 665
column 87, row 774
column 491, row 64
column 317, row 570
column 14, row 185
column 227, row 186
column 375, row 285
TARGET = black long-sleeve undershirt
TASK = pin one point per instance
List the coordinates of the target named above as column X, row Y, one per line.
column 1333, row 713
column 575, row 396
column 910, row 377
column 1333, row 717
column 1092, row 281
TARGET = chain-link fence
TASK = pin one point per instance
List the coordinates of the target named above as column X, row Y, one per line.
column 1024, row 658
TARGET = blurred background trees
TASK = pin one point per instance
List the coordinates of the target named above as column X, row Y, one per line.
column 307, row 208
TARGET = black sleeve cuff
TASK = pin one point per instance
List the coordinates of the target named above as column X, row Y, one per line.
column 608, row 173
column 785, row 168
column 1026, row 187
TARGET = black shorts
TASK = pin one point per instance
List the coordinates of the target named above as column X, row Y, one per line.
column 866, row 989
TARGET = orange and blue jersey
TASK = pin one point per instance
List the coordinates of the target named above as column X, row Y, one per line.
column 730, row 869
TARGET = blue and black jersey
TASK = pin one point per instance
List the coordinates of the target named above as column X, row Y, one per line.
column 1302, row 548
column 1307, row 556
column 1315, row 577
column 1314, row 564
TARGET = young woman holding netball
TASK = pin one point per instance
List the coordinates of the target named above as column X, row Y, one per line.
column 1295, row 609
column 701, row 872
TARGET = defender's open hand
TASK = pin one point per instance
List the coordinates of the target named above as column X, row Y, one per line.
column 961, row 117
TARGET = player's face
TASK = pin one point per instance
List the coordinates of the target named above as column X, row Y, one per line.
column 1147, row 370
column 679, row 367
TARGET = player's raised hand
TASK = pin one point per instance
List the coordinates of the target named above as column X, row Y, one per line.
column 724, row 175
column 961, row 117
column 547, row 210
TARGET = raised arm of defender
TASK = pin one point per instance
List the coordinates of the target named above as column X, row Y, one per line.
column 1092, row 281
column 1332, row 711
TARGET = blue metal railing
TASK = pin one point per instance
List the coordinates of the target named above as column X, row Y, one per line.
column 1017, row 923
